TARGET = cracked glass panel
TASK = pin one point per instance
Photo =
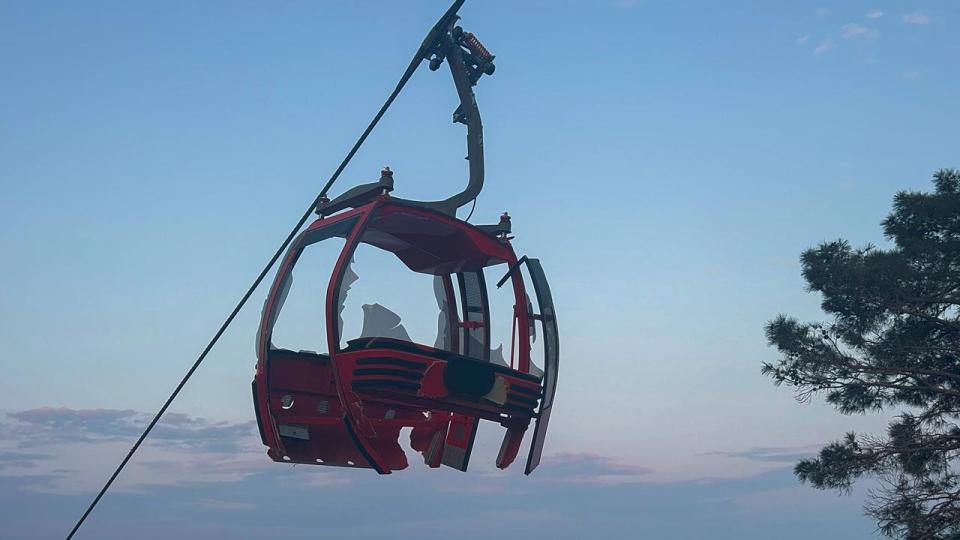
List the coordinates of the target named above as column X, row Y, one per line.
column 381, row 297
column 299, row 317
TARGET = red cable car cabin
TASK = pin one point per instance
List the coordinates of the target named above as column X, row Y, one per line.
column 346, row 408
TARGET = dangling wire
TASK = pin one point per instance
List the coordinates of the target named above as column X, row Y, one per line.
column 425, row 47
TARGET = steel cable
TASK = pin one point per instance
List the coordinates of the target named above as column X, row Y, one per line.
column 425, row 48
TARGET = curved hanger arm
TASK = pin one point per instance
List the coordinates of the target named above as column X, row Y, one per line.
column 468, row 60
column 467, row 113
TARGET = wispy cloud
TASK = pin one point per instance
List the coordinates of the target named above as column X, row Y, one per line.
column 93, row 425
column 802, row 40
column 848, row 31
column 911, row 75
column 786, row 455
column 852, row 30
column 55, row 447
column 822, row 12
column 589, row 468
column 825, row 46
column 874, row 14
column 21, row 460
column 916, row 18
column 58, row 448
column 182, row 487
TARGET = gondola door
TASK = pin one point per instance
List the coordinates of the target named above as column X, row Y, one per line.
column 474, row 341
column 551, row 351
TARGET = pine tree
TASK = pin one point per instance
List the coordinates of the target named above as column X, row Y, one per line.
column 893, row 345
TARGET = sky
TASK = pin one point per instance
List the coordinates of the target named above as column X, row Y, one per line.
column 666, row 161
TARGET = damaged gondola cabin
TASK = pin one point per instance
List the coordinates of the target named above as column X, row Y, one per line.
column 346, row 406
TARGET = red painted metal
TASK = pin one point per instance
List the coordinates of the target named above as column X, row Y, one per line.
column 346, row 408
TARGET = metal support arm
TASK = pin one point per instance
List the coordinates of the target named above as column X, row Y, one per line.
column 468, row 60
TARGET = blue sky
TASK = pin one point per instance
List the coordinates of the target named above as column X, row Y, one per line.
column 668, row 162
